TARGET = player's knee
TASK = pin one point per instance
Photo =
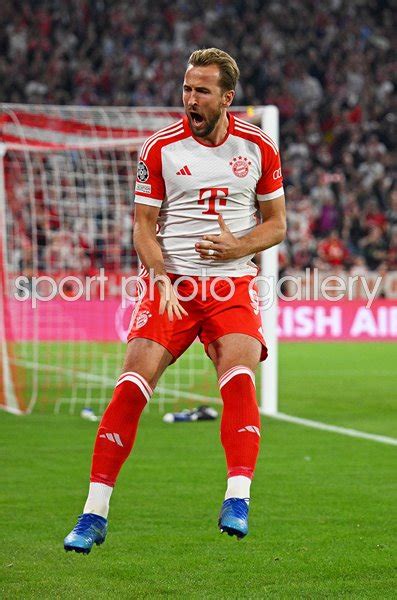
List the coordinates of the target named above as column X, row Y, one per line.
column 235, row 349
column 147, row 358
column 225, row 366
column 148, row 373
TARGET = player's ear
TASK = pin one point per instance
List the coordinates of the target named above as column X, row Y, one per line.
column 228, row 97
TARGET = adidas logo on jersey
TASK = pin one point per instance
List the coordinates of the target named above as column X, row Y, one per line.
column 184, row 171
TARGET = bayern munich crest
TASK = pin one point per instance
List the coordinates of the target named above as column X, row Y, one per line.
column 240, row 166
column 142, row 172
column 142, row 319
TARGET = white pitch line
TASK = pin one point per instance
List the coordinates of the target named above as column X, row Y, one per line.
column 10, row 409
column 187, row 395
column 95, row 378
column 382, row 439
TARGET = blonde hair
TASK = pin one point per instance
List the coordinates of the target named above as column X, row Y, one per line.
column 228, row 69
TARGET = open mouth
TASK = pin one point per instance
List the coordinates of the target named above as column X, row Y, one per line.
column 196, row 118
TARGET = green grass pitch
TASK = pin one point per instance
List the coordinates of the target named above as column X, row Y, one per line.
column 322, row 518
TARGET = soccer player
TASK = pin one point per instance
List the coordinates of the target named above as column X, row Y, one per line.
column 201, row 184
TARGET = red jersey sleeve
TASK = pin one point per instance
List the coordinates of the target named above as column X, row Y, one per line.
column 150, row 186
column 270, row 184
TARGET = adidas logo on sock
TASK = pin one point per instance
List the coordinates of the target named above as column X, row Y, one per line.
column 251, row 428
column 112, row 437
column 184, row 171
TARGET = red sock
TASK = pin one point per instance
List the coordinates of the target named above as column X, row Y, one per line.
column 117, row 429
column 240, row 425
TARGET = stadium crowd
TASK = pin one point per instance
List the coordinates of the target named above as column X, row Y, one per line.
column 329, row 67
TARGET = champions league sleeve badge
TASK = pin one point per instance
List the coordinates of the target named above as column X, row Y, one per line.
column 142, row 172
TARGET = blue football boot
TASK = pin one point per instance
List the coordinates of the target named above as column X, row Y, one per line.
column 90, row 529
column 234, row 517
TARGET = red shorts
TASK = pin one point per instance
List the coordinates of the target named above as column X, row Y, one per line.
column 212, row 313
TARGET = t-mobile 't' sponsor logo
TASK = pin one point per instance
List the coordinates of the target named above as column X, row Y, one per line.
column 214, row 197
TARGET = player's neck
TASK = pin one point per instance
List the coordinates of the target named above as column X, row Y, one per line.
column 219, row 133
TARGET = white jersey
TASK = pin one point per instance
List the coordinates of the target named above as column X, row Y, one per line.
column 192, row 184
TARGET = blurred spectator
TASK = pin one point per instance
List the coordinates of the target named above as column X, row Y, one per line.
column 329, row 216
column 359, row 267
column 373, row 216
column 391, row 213
column 374, row 248
column 332, row 250
column 392, row 251
column 304, row 253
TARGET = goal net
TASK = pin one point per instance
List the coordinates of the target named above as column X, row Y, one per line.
column 67, row 177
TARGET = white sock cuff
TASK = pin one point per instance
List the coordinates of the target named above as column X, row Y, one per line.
column 239, row 370
column 98, row 499
column 139, row 382
column 238, row 486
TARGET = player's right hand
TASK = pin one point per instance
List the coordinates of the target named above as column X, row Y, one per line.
column 168, row 300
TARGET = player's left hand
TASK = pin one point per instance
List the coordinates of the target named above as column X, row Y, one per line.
column 224, row 246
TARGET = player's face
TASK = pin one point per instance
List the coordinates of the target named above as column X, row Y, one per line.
column 203, row 99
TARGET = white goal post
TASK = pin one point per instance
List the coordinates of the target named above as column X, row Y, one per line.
column 66, row 190
column 269, row 268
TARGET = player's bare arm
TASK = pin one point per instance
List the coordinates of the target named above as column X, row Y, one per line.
column 226, row 246
column 150, row 254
